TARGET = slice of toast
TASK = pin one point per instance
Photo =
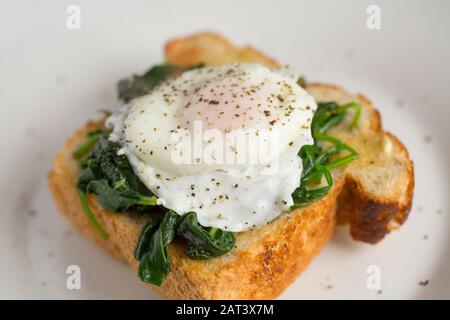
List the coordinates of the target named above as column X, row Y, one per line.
column 373, row 195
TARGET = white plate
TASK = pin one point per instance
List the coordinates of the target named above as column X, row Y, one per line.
column 54, row 79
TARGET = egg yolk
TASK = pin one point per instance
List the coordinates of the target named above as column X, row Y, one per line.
column 227, row 105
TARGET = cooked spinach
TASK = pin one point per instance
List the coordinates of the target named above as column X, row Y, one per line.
column 90, row 215
column 154, row 264
column 91, row 139
column 111, row 179
column 117, row 199
column 329, row 114
column 144, row 240
column 318, row 160
column 204, row 243
column 139, row 85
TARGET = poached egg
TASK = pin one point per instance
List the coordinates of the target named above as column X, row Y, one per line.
column 221, row 141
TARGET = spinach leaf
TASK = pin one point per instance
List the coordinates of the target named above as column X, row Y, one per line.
column 318, row 161
column 111, row 178
column 143, row 243
column 204, row 243
column 91, row 171
column 139, row 85
column 154, row 265
column 330, row 114
column 117, row 199
column 91, row 139
column 151, row 247
column 90, row 215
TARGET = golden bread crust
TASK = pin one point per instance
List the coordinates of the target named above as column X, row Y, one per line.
column 211, row 48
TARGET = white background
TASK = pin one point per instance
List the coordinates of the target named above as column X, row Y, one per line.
column 53, row 80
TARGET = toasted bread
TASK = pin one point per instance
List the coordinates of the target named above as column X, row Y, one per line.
column 372, row 194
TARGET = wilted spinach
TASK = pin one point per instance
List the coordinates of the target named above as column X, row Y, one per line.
column 154, row 264
column 139, row 85
column 111, row 179
column 91, row 139
column 90, row 215
column 144, row 240
column 204, row 243
column 317, row 161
